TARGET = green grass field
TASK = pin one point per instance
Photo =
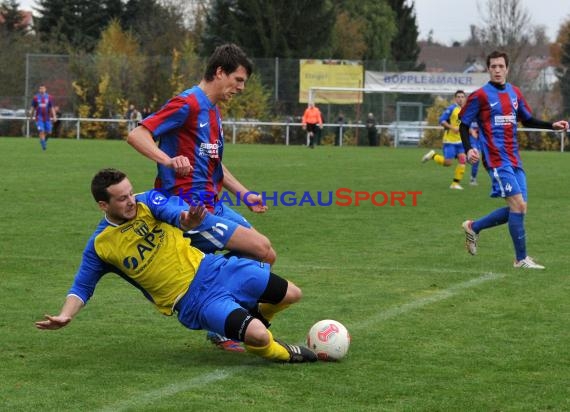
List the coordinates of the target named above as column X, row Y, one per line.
column 433, row 328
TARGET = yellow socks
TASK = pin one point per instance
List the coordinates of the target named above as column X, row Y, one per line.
column 272, row 351
column 459, row 172
column 268, row 310
column 438, row 159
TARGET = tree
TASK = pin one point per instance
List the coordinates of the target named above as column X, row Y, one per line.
column 404, row 45
column 11, row 18
column 75, row 23
column 367, row 16
column 271, row 28
column 563, row 72
column 506, row 26
column 348, row 37
column 116, row 79
column 157, row 26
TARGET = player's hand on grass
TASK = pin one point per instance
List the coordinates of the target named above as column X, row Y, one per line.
column 192, row 217
column 255, row 203
column 181, row 165
column 53, row 322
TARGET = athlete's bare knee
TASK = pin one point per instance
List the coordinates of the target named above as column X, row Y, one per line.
column 256, row 334
column 263, row 249
column 293, row 295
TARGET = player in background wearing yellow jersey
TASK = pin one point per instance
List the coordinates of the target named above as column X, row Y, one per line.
column 141, row 239
column 452, row 146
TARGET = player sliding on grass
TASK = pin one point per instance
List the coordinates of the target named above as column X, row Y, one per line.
column 497, row 107
column 141, row 239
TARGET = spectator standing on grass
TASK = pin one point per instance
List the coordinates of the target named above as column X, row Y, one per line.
column 371, row 130
column 43, row 112
column 452, row 147
column 188, row 129
column 57, row 122
column 497, row 107
column 141, row 239
column 339, row 130
column 312, row 122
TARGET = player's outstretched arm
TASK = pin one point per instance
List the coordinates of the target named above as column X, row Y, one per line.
column 70, row 308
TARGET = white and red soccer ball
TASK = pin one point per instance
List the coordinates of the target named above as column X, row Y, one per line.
column 329, row 339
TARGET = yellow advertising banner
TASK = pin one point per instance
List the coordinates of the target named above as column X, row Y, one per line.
column 335, row 74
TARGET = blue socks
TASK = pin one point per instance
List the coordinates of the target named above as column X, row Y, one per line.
column 44, row 144
column 516, row 229
column 474, row 170
column 495, row 218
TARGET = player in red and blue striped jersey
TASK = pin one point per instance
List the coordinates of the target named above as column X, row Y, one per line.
column 497, row 107
column 188, row 129
column 43, row 112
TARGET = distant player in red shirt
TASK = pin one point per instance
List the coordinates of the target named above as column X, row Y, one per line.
column 43, row 112
column 188, row 129
column 498, row 107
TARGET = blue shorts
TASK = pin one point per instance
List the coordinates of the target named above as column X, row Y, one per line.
column 217, row 236
column 508, row 181
column 222, row 285
column 475, row 143
column 43, row 125
column 452, row 150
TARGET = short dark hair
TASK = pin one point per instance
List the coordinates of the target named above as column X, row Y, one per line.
column 498, row 54
column 229, row 57
column 458, row 92
column 102, row 180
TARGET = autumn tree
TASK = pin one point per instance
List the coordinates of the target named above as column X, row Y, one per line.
column 357, row 27
column 118, row 74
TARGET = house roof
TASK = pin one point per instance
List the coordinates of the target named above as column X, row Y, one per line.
column 438, row 58
column 27, row 19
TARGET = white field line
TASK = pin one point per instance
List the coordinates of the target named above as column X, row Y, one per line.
column 147, row 398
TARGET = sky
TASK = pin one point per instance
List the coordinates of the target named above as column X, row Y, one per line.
column 450, row 19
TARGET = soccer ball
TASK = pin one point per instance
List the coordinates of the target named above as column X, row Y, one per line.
column 329, row 339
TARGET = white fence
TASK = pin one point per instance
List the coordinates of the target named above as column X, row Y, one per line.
column 402, row 133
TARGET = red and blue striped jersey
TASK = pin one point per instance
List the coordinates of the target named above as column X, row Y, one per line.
column 497, row 111
column 42, row 103
column 189, row 125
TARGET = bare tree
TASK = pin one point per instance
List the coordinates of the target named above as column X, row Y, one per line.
column 506, row 26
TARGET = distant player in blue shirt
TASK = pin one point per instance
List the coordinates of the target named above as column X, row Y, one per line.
column 497, row 107
column 43, row 112
column 141, row 239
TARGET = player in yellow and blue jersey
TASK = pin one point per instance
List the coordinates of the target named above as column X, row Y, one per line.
column 452, row 146
column 142, row 240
